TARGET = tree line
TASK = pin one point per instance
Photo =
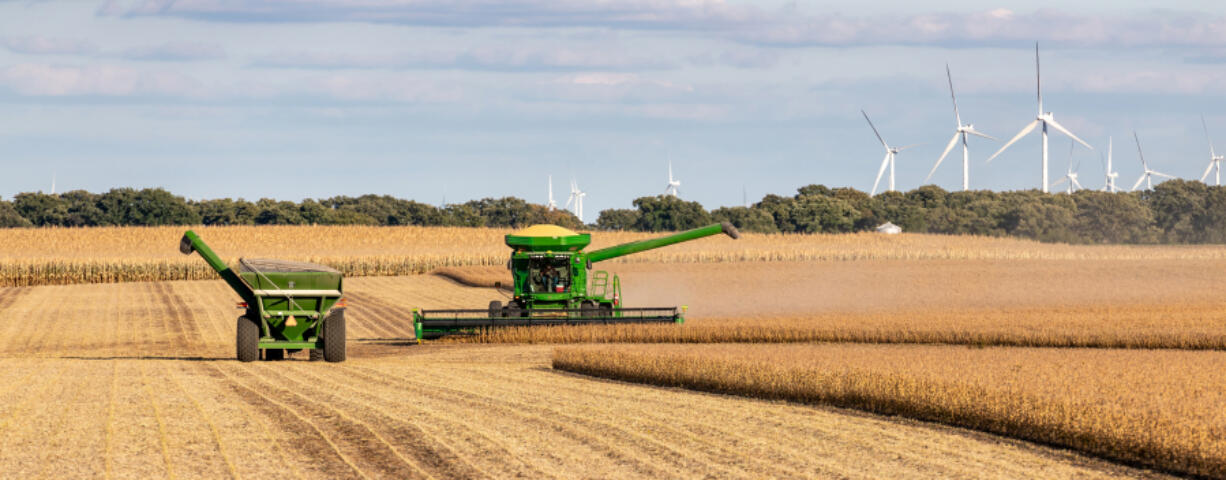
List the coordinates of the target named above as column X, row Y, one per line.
column 1176, row 211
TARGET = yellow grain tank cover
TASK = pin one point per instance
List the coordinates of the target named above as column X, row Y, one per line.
column 539, row 238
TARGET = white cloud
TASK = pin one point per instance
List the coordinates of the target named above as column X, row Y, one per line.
column 175, row 51
column 787, row 26
column 40, row 45
column 101, row 80
column 486, row 58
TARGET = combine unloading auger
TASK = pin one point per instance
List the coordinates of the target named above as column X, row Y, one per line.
column 553, row 285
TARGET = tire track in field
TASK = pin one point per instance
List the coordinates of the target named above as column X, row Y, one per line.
column 735, row 441
column 598, row 438
column 306, row 437
column 439, row 458
column 661, row 447
column 173, row 375
column 466, row 429
column 377, row 316
column 175, row 315
column 373, row 454
column 9, row 296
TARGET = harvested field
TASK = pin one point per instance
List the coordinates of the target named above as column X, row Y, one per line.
column 1060, row 303
column 57, row 256
column 1162, row 409
column 145, row 387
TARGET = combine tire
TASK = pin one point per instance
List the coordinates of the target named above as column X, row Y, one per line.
column 496, row 309
column 274, row 354
column 247, row 340
column 317, row 354
column 334, row 337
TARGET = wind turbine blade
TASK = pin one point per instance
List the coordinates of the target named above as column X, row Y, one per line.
column 1138, row 184
column 1203, row 124
column 981, row 134
column 1139, row 153
column 950, row 76
column 1038, row 79
column 1025, row 130
column 1065, row 131
column 913, row 145
column 870, row 124
column 1057, row 182
column 1078, row 184
column 1207, row 170
column 952, row 142
column 1156, row 174
column 884, row 162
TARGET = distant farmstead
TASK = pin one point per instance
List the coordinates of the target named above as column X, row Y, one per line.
column 889, row 229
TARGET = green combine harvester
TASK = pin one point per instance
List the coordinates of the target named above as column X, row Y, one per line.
column 554, row 285
column 290, row 306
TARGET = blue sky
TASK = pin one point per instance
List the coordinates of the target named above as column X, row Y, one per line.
column 470, row 99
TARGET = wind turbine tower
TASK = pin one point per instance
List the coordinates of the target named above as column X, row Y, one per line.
column 1149, row 174
column 962, row 131
column 1111, row 175
column 1044, row 118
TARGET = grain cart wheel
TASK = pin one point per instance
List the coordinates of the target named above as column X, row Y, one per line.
column 334, row 337
column 317, row 354
column 247, row 340
column 274, row 354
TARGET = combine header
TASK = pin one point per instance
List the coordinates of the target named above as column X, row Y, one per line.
column 289, row 305
column 554, row 285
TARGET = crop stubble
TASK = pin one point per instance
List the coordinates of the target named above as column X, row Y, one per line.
column 146, row 388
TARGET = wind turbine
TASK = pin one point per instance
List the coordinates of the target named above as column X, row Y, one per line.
column 576, row 197
column 890, row 153
column 1146, row 177
column 1071, row 176
column 1215, row 160
column 1044, row 118
column 552, row 204
column 673, row 184
column 1109, row 181
column 53, row 183
column 962, row 131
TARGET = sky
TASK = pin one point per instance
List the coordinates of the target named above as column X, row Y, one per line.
column 451, row 101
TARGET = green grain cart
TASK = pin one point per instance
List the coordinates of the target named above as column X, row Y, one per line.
column 554, row 284
column 290, row 306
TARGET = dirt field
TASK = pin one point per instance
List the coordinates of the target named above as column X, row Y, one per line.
column 136, row 381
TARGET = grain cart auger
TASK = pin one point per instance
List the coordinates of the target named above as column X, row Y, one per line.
column 553, row 285
column 289, row 305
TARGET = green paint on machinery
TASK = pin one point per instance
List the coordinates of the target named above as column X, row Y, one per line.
column 289, row 305
column 553, row 284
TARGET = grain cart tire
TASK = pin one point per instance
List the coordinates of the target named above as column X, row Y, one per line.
column 334, row 337
column 247, row 340
column 317, row 354
column 274, row 354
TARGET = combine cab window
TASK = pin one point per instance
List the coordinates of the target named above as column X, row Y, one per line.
column 549, row 274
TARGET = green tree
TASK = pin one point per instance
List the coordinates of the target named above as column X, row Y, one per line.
column 663, row 212
column 9, row 218
column 617, row 219
column 746, row 219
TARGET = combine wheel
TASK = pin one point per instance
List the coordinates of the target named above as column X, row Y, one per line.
column 274, row 354
column 496, row 309
column 247, row 340
column 606, row 310
column 334, row 337
column 317, row 354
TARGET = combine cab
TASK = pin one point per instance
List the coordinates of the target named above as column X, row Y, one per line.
column 554, row 285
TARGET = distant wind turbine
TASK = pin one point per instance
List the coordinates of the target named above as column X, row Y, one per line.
column 962, row 131
column 890, row 153
column 1044, row 118
column 1215, row 160
column 1071, row 175
column 53, row 183
column 673, row 184
column 1109, row 181
column 1146, row 177
column 552, row 204
column 576, row 198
